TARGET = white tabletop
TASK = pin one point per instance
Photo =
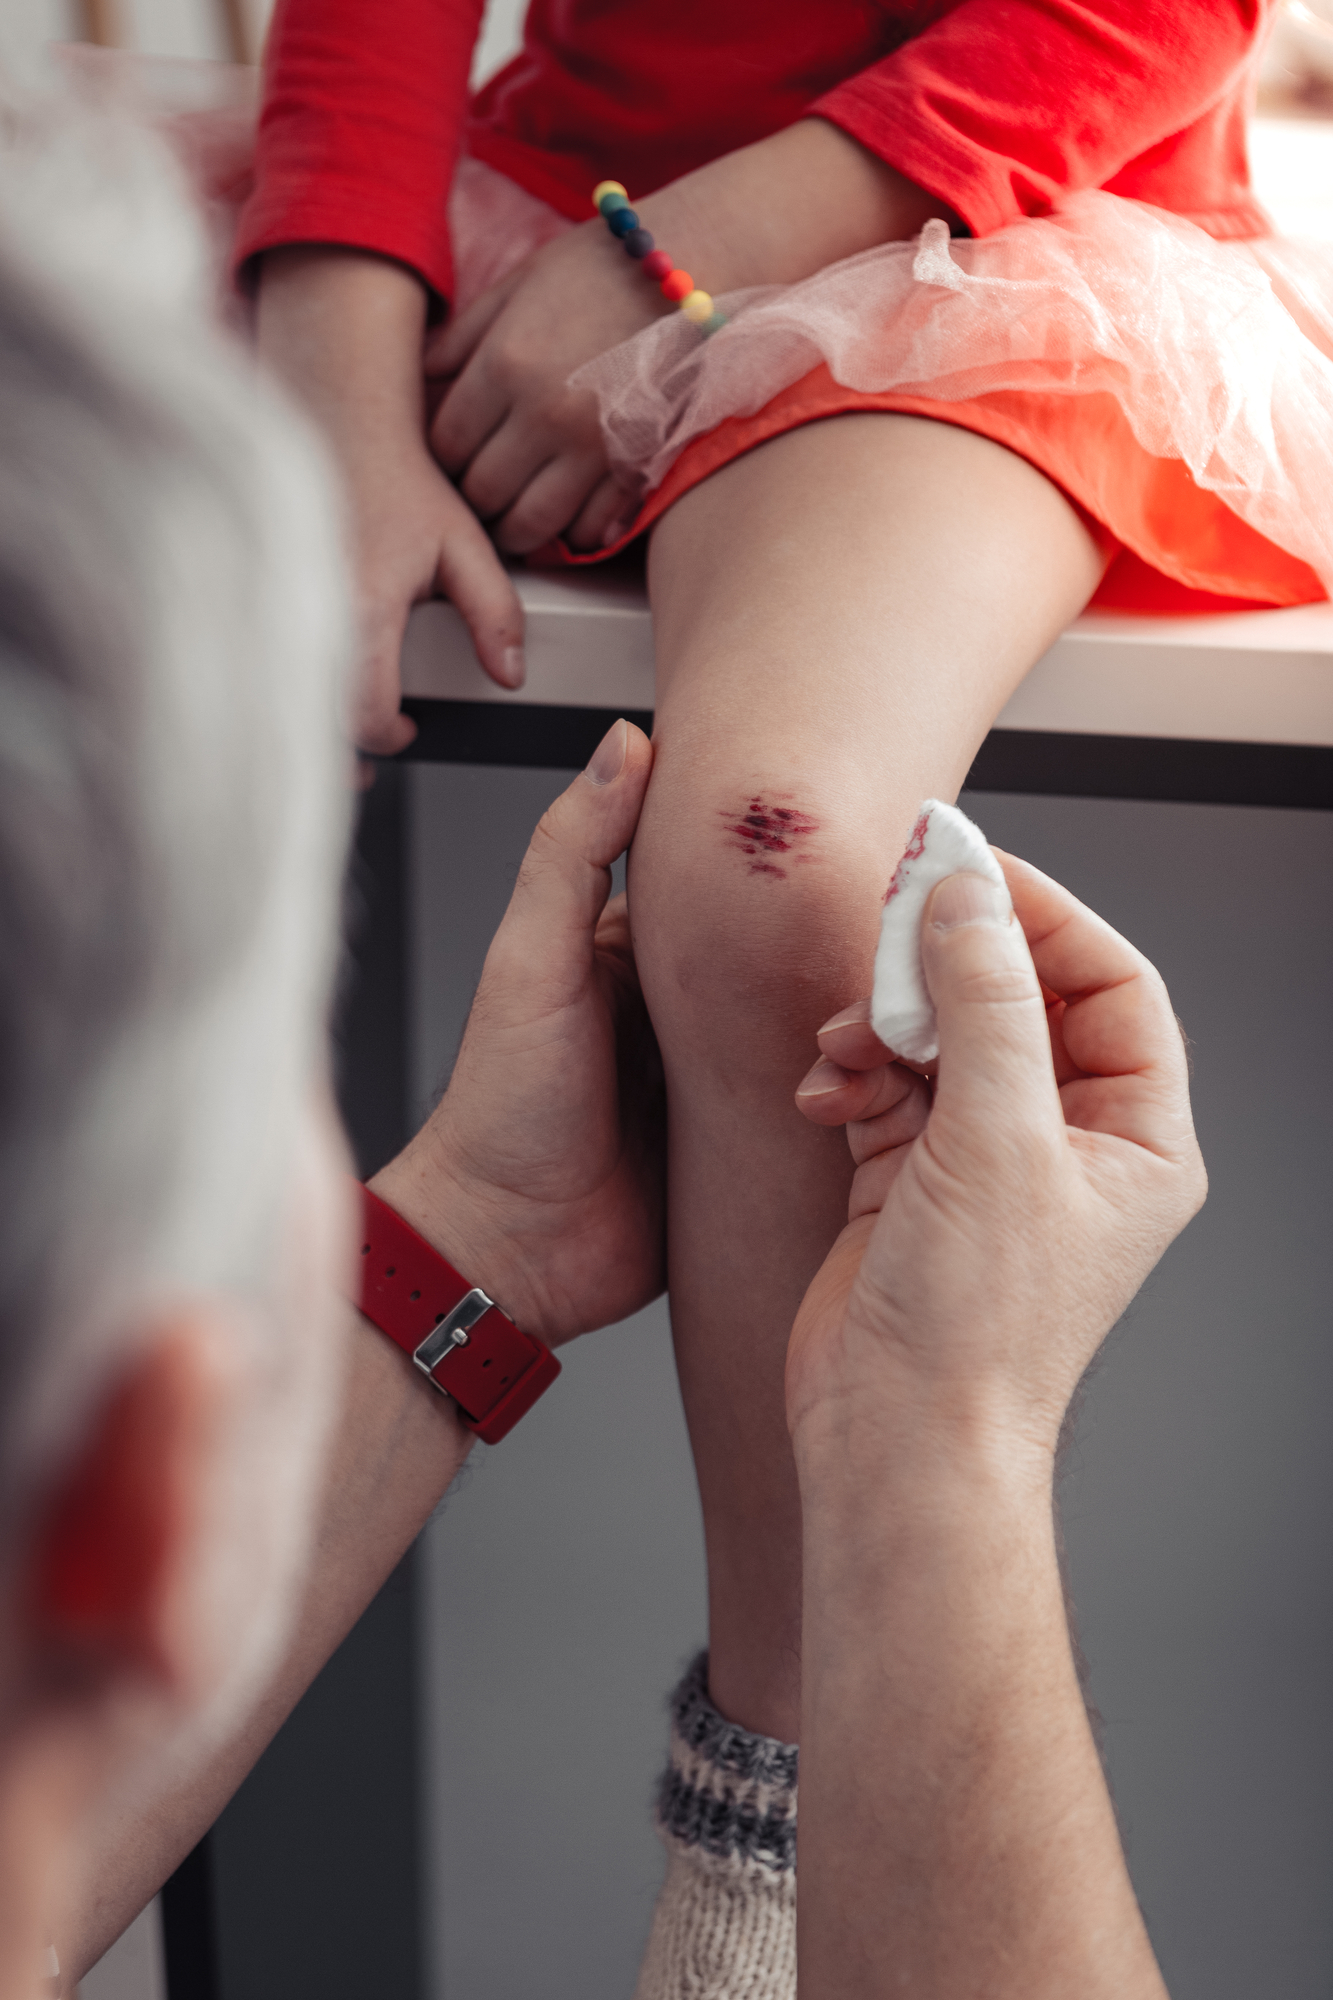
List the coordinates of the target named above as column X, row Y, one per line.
column 1240, row 677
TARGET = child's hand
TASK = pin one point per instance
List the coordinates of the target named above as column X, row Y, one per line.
column 345, row 331
column 415, row 538
column 526, row 451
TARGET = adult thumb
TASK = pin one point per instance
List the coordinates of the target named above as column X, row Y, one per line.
column 564, row 881
column 996, row 1075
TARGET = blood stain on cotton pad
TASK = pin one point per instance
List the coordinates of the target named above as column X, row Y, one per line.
column 943, row 842
column 770, row 836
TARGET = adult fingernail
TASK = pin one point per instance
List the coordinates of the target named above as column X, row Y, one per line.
column 515, row 666
column 969, row 899
column 823, row 1080
column 608, row 759
column 849, row 1017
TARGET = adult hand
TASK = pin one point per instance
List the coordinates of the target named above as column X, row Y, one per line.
column 956, row 1832
column 345, row 332
column 541, row 1173
column 1002, row 1218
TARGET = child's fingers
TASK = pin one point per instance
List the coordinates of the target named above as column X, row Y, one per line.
column 377, row 724
column 448, row 348
column 548, row 503
column 605, row 513
column 476, row 582
column 474, row 409
column 511, row 457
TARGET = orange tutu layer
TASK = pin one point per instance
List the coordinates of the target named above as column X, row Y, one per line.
column 1175, row 546
column 1179, row 390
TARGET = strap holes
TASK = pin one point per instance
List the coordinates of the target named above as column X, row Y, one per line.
column 365, row 1249
column 390, row 1270
column 487, row 1362
column 414, row 1295
column 438, row 1318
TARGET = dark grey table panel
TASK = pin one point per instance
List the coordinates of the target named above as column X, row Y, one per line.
column 1038, row 762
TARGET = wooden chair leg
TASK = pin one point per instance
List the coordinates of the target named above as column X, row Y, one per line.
column 103, row 22
column 239, row 31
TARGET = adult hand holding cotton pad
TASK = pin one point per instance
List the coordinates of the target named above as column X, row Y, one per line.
column 944, row 842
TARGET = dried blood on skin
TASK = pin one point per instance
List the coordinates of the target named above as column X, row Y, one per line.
column 769, row 836
column 913, row 851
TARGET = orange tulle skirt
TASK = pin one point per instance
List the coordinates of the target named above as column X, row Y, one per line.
column 1174, row 546
column 1178, row 390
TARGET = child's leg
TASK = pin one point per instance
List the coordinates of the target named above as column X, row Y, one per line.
column 839, row 615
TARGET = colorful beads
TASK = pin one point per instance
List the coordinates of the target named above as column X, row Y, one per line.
column 612, row 203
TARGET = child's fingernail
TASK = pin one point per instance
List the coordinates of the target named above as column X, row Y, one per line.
column 608, row 759
column 823, row 1080
column 969, row 899
column 515, row 666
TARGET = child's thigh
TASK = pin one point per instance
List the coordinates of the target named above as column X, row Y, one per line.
column 838, row 617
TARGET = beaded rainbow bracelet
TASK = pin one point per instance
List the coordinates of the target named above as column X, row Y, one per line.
column 612, row 204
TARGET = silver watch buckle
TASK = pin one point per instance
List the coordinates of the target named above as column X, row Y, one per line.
column 451, row 1332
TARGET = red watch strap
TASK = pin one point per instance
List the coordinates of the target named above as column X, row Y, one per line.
column 456, row 1335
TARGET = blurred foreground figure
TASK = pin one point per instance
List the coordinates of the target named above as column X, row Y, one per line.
column 172, row 826
column 178, row 1228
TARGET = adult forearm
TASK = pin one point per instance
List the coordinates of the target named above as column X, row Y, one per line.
column 956, row 1832
column 397, row 1447
column 786, row 207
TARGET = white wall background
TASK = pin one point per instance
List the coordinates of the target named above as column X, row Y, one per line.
column 196, row 28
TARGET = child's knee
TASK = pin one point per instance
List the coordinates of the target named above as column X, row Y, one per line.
column 755, row 911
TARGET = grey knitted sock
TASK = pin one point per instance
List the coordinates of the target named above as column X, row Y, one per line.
column 725, row 1923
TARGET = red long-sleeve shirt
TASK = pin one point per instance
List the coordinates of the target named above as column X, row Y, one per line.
column 996, row 106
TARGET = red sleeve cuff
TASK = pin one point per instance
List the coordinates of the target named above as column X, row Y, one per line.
column 363, row 108
column 348, row 214
column 1002, row 107
column 983, row 189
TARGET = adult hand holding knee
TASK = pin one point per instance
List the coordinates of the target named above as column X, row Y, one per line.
column 956, row 1832
column 540, row 1173
column 1003, row 1215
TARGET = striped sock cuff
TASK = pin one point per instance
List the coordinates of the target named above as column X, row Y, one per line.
column 725, row 1791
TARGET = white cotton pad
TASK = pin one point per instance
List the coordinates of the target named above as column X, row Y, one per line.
column 944, row 841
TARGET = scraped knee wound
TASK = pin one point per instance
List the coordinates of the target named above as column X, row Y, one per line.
column 944, row 842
